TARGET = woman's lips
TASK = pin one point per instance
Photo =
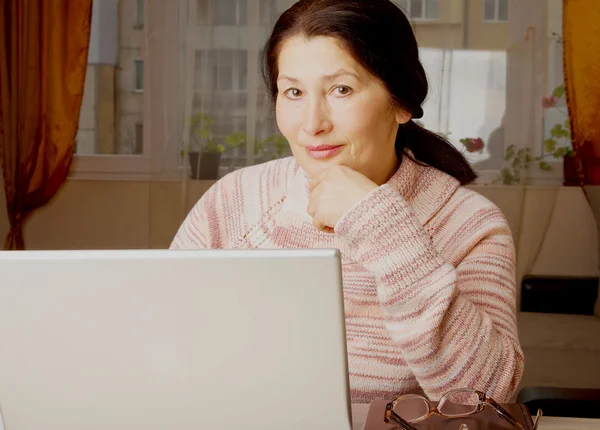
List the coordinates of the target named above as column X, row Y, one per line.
column 323, row 151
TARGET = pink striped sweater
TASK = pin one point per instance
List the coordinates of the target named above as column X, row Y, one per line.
column 428, row 270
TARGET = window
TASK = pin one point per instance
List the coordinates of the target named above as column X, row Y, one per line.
column 421, row 9
column 495, row 10
column 222, row 12
column 139, row 13
column 139, row 75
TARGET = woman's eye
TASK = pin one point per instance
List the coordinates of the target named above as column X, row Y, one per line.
column 343, row 90
column 293, row 93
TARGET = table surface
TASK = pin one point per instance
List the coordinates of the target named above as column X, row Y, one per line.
column 359, row 413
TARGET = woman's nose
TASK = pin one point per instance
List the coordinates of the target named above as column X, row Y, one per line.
column 316, row 118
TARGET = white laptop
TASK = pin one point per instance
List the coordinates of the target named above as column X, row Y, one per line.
column 143, row 340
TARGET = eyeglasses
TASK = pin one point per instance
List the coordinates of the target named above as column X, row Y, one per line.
column 460, row 403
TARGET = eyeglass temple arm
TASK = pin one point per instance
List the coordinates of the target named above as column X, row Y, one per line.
column 404, row 425
column 504, row 414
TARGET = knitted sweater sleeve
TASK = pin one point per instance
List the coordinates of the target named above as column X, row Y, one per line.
column 455, row 323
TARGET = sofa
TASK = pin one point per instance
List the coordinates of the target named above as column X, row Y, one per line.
column 561, row 350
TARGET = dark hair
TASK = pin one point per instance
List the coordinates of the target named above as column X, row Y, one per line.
column 380, row 37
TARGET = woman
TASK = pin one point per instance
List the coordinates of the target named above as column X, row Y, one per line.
column 428, row 265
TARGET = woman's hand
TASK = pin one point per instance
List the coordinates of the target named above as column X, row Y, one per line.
column 335, row 191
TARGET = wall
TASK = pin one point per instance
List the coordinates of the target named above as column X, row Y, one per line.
column 485, row 35
column 554, row 228
column 88, row 214
column 436, row 35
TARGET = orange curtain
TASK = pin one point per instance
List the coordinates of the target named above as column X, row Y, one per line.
column 43, row 61
column 582, row 69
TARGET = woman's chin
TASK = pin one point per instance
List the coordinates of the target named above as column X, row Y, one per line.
column 313, row 168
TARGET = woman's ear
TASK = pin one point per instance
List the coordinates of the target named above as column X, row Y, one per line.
column 402, row 116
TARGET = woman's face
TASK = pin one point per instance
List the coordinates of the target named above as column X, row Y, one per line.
column 333, row 111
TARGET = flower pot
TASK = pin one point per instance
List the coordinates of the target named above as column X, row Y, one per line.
column 204, row 165
column 570, row 174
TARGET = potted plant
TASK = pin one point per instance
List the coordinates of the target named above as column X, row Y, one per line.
column 516, row 160
column 204, row 153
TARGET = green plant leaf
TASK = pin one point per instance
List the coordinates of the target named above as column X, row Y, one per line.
column 559, row 91
column 549, row 145
column 235, row 140
column 545, row 166
column 509, row 153
column 561, row 152
column 567, row 124
column 556, row 131
column 506, row 176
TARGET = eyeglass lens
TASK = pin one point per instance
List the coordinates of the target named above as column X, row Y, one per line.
column 458, row 403
column 412, row 409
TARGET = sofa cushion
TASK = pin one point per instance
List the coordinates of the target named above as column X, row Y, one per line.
column 559, row 331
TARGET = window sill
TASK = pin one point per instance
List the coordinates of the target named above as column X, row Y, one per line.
column 138, row 168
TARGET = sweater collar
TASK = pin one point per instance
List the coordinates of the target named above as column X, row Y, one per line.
column 425, row 188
